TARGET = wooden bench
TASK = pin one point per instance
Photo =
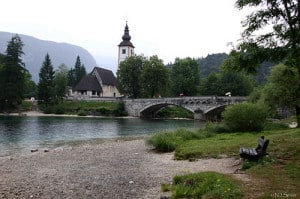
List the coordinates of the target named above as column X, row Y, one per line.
column 254, row 154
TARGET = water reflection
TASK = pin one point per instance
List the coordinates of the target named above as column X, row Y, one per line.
column 25, row 133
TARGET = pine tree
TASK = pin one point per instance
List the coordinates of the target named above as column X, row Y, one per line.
column 77, row 73
column 46, row 82
column 12, row 75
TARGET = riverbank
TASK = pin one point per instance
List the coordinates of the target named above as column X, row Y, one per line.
column 112, row 169
column 41, row 114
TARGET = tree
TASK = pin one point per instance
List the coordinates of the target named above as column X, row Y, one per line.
column 282, row 43
column 60, row 81
column 76, row 74
column 237, row 83
column 280, row 91
column 128, row 76
column 154, row 77
column 46, row 82
column 12, row 75
column 185, row 77
column 29, row 86
column 211, row 85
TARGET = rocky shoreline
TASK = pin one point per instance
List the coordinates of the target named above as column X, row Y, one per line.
column 112, row 169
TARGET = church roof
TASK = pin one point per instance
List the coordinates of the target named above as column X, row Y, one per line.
column 88, row 82
column 107, row 77
column 126, row 38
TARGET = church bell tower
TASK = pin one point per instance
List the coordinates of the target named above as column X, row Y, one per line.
column 126, row 48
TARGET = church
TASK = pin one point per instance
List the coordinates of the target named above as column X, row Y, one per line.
column 102, row 83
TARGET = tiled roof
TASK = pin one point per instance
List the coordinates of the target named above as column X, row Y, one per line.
column 107, row 76
column 88, row 82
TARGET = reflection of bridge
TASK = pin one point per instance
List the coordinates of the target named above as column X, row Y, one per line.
column 203, row 107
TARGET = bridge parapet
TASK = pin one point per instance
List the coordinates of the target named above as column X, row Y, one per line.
column 198, row 105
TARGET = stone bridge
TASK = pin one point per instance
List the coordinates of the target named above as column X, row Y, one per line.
column 203, row 107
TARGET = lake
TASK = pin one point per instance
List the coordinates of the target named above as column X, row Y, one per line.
column 21, row 134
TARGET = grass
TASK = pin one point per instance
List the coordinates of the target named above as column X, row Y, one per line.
column 83, row 108
column 277, row 175
column 205, row 185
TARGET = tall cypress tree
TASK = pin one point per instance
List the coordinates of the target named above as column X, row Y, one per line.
column 12, row 75
column 46, row 82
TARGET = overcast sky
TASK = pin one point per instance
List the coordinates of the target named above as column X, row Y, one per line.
column 166, row 28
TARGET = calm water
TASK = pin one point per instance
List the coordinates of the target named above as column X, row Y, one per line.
column 21, row 134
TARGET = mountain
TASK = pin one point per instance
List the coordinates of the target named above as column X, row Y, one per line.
column 35, row 51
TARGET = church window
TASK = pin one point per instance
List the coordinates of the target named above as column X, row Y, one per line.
column 123, row 51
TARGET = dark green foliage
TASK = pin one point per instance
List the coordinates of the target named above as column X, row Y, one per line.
column 120, row 111
column 238, row 84
column 185, row 77
column 205, row 185
column 281, row 44
column 86, row 108
column 46, row 92
column 60, row 82
column 281, row 89
column 76, row 74
column 244, row 117
column 154, row 77
column 12, row 75
column 212, row 85
column 30, row 87
column 128, row 76
column 211, row 63
column 168, row 141
column 174, row 112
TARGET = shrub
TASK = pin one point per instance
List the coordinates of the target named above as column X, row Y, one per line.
column 48, row 110
column 168, row 141
column 245, row 117
column 59, row 109
column 82, row 113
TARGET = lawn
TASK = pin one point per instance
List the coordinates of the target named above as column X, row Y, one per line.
column 277, row 175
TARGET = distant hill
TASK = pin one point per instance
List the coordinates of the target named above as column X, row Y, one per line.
column 36, row 49
column 211, row 63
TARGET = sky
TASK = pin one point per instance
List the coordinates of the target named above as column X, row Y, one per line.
column 166, row 28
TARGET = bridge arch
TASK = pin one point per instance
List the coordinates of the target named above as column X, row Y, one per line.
column 150, row 110
column 214, row 113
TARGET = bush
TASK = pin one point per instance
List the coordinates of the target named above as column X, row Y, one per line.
column 82, row 113
column 168, row 141
column 245, row 117
column 59, row 109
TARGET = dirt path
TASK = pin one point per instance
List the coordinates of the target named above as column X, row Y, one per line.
column 114, row 169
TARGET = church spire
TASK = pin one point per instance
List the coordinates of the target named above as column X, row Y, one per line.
column 126, row 38
column 126, row 48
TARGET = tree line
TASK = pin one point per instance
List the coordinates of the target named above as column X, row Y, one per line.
column 142, row 77
column 16, row 83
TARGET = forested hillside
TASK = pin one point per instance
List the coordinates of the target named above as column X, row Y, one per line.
column 212, row 63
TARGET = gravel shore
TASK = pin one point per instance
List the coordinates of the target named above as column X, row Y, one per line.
column 113, row 169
